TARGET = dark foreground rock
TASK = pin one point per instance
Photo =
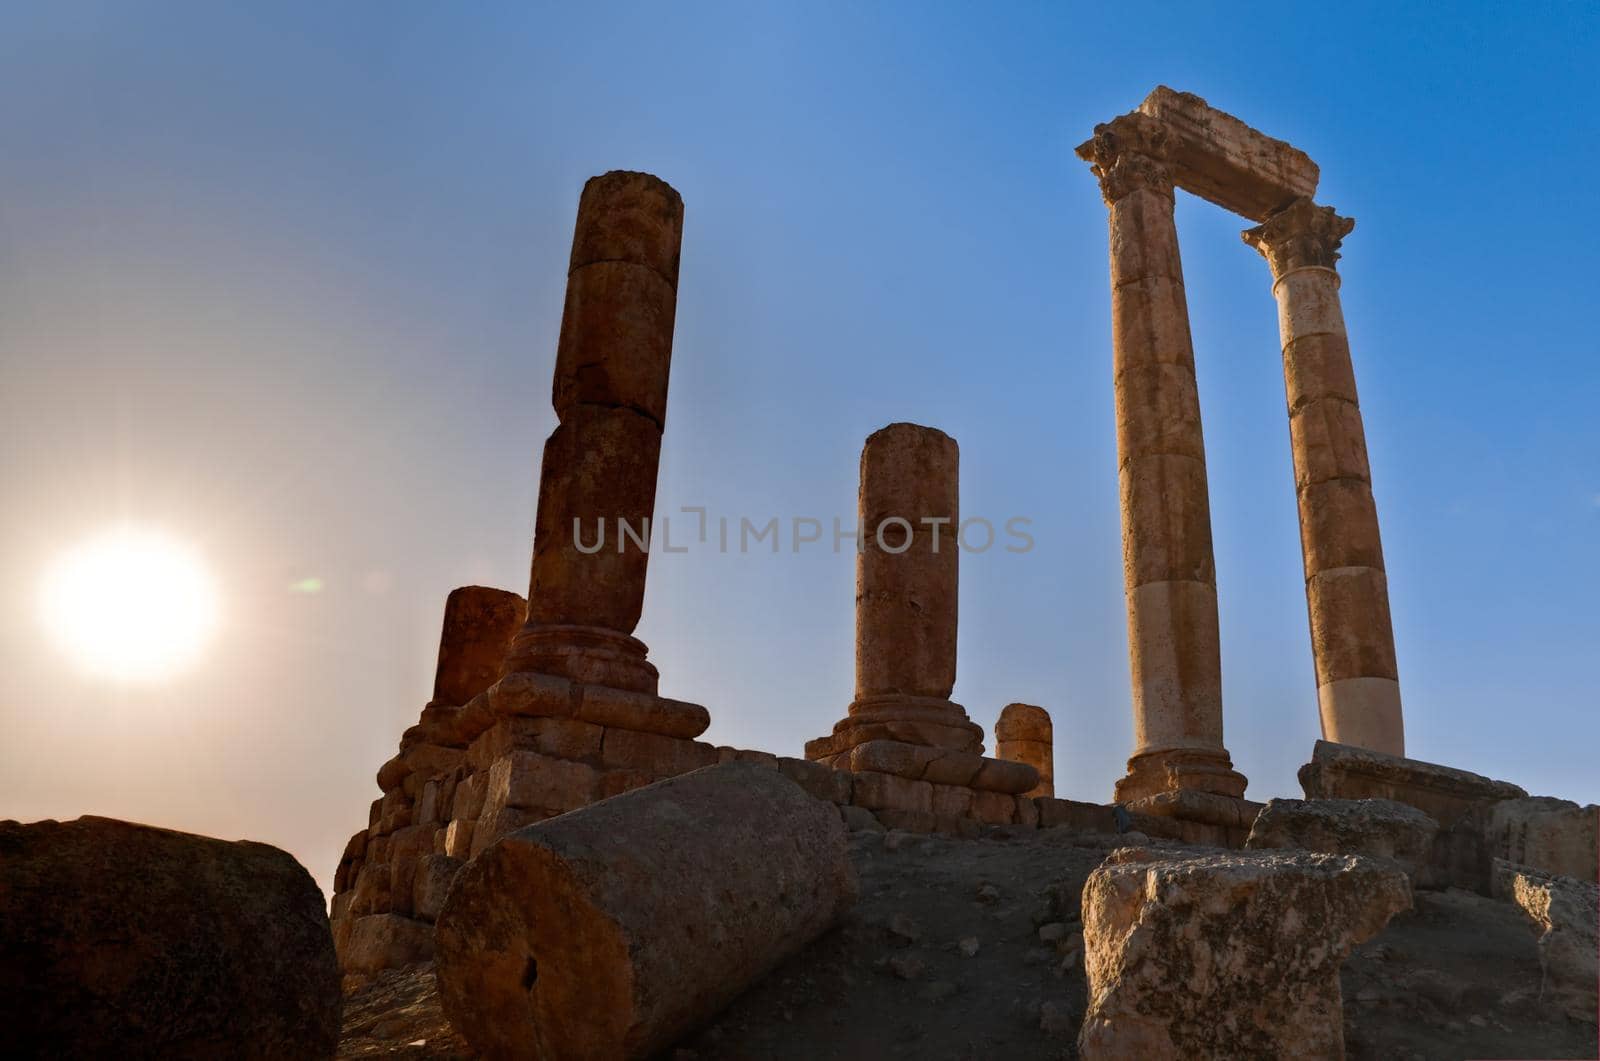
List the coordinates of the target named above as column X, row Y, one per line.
column 123, row 940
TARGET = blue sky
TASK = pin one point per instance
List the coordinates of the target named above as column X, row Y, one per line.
column 285, row 281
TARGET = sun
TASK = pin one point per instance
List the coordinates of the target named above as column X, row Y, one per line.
column 130, row 604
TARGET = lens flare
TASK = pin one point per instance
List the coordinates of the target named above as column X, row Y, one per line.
column 130, row 604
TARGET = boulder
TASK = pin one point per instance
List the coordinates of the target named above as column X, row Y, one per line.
column 1379, row 828
column 615, row 929
column 1222, row 954
column 1565, row 911
column 119, row 939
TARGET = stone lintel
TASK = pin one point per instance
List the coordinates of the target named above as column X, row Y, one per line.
column 1342, row 771
column 943, row 766
column 1216, row 156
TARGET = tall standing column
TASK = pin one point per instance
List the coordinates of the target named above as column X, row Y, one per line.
column 599, row 471
column 1168, row 571
column 1347, row 591
column 906, row 582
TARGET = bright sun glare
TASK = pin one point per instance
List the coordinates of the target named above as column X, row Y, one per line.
column 130, row 604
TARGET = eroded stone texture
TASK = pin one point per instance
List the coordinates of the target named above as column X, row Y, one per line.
column 1211, row 954
column 1448, row 795
column 1347, row 592
column 599, row 471
column 1547, row 835
column 479, row 623
column 119, row 939
column 612, row 931
column 1168, row 572
column 1565, row 911
column 1023, row 734
column 1379, row 828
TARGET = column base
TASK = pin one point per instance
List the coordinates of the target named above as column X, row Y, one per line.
column 927, row 721
column 592, row 655
column 1180, row 769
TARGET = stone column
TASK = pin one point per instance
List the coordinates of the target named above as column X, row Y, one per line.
column 599, row 469
column 906, row 574
column 1347, row 592
column 1168, row 571
column 1023, row 734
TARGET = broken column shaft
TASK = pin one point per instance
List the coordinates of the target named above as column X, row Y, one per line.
column 1347, row 590
column 1023, row 734
column 1168, row 570
column 615, row 930
column 599, row 470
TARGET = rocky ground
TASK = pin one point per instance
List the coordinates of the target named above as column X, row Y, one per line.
column 972, row 949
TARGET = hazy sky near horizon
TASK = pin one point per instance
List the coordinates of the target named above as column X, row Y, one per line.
column 284, row 281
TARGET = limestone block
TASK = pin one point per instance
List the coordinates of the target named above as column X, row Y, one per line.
column 616, row 782
column 1027, row 812
column 1216, row 156
column 1328, row 441
column 377, row 850
column 492, row 826
column 1144, row 239
column 431, row 883
column 566, row 738
column 407, row 847
column 375, row 813
column 1150, row 325
column 123, row 940
column 1318, row 366
column 534, row 695
column 1548, row 835
column 1158, row 412
column 1378, row 828
column 906, row 583
column 468, row 802
column 354, row 851
column 479, row 623
column 994, row 808
column 1339, row 526
column 615, row 346
column 1166, row 521
column 458, row 839
column 615, row 930
column 1308, row 304
column 818, row 780
column 1226, row 954
column 371, row 892
column 385, row 941
column 393, row 773
column 1072, row 814
column 629, row 217
column 1175, row 652
column 747, row 755
column 643, row 712
column 911, row 821
column 1445, row 794
column 1350, row 626
column 599, row 466
column 952, row 801
column 428, row 803
column 1023, row 734
column 1564, row 910
column 942, row 766
column 529, row 781
column 654, row 754
column 396, row 813
column 954, row 736
column 877, row 791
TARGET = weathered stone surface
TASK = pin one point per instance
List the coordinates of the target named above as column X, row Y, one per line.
column 631, row 217
column 612, row 931
column 119, row 939
column 942, row 766
column 1379, row 828
column 1565, row 910
column 820, row 781
column 431, row 883
column 385, row 941
column 1023, row 734
column 906, row 572
column 1216, row 156
column 1340, row 771
column 479, row 623
column 644, row 712
column 529, row 781
column 1548, row 835
column 1213, row 954
column 654, row 754
column 1072, row 814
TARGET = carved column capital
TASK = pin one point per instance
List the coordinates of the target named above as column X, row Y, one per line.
column 1127, row 154
column 1302, row 235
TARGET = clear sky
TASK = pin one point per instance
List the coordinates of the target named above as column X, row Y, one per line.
column 283, row 281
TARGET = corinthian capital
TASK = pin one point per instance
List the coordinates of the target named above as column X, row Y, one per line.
column 1302, row 234
column 1128, row 153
